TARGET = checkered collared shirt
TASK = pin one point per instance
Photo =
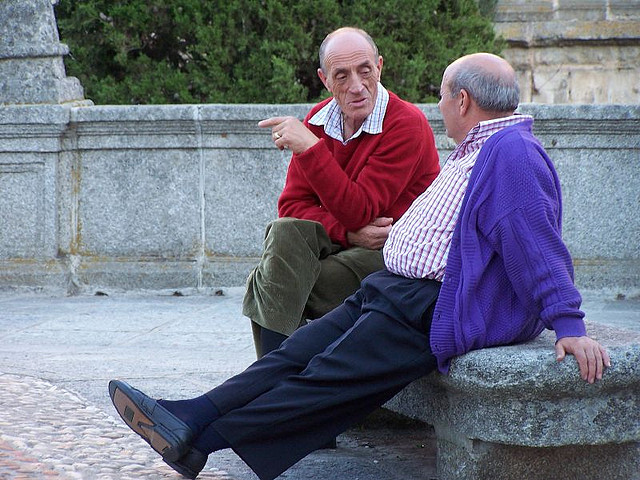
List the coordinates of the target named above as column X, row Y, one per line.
column 330, row 116
column 419, row 241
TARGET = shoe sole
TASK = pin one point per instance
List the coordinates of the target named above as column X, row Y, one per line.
column 190, row 465
column 154, row 434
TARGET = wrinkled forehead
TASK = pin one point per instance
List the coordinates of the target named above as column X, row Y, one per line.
column 347, row 50
column 349, row 59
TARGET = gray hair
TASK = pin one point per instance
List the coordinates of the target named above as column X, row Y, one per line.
column 325, row 42
column 492, row 92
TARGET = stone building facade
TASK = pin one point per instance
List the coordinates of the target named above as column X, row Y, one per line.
column 573, row 51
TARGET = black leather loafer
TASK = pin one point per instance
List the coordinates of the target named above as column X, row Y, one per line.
column 189, row 465
column 166, row 433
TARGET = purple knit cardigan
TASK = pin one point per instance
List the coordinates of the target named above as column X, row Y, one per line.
column 509, row 274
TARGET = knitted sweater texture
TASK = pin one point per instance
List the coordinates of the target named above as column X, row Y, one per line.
column 509, row 274
column 345, row 187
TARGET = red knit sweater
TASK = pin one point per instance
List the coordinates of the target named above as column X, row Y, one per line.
column 345, row 187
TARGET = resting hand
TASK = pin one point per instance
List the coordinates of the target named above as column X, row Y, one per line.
column 289, row 132
column 590, row 355
column 371, row 236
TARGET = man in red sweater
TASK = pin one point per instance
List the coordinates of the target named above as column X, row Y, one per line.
column 359, row 160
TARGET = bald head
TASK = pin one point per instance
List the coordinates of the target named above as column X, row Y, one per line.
column 488, row 79
column 356, row 35
column 476, row 88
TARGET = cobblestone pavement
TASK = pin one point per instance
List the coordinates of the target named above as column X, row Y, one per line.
column 57, row 355
column 51, row 433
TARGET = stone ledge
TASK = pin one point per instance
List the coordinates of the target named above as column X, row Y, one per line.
column 120, row 185
column 519, row 402
column 569, row 32
column 33, row 50
column 516, row 394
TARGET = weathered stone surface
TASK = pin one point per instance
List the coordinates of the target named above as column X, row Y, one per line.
column 31, row 66
column 28, row 157
column 479, row 460
column 573, row 51
column 242, row 187
column 523, row 10
column 179, row 196
column 132, row 204
column 521, row 395
column 105, row 274
column 515, row 412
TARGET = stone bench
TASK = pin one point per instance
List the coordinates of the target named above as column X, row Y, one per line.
column 516, row 413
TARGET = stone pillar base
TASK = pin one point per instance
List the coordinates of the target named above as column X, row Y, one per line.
column 31, row 66
column 478, row 460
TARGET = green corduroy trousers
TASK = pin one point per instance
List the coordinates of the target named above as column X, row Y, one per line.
column 302, row 275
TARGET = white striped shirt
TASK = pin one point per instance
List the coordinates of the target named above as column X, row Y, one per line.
column 419, row 241
column 331, row 117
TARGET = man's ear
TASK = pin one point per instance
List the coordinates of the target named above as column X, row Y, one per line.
column 380, row 62
column 464, row 101
column 323, row 79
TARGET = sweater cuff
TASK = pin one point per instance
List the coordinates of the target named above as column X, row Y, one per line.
column 339, row 235
column 569, row 327
column 312, row 153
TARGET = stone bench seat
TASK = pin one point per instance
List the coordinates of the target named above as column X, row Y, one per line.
column 514, row 412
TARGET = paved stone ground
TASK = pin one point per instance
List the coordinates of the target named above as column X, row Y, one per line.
column 57, row 355
column 51, row 433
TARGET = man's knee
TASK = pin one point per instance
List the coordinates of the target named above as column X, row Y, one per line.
column 286, row 225
column 289, row 234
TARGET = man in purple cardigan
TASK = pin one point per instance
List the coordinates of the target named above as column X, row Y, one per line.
column 477, row 261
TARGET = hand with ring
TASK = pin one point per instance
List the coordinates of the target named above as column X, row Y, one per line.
column 290, row 133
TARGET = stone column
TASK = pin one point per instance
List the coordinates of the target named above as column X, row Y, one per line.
column 31, row 66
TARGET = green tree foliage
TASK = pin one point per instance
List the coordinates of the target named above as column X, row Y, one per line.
column 257, row 51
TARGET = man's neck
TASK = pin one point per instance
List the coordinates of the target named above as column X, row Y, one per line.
column 349, row 128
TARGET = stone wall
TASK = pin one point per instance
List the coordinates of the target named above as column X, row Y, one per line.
column 573, row 51
column 177, row 197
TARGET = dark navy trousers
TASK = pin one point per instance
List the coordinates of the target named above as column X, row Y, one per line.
column 329, row 374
